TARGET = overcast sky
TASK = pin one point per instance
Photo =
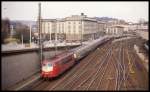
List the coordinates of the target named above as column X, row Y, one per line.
column 129, row 11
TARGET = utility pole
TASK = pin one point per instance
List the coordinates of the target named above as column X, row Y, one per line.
column 40, row 36
column 30, row 34
column 56, row 38
column 12, row 30
column 22, row 38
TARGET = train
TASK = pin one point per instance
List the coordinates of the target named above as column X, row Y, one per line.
column 57, row 65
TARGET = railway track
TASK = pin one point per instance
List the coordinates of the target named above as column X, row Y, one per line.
column 90, row 78
column 112, row 66
column 122, row 68
column 138, row 68
column 93, row 75
column 109, row 77
column 101, row 69
column 131, row 74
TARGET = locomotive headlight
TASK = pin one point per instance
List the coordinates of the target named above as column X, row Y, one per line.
column 47, row 68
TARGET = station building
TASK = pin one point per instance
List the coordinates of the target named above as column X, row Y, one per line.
column 72, row 28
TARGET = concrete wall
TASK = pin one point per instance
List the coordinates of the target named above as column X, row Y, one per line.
column 17, row 67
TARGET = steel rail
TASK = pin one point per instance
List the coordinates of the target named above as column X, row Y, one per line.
column 95, row 75
column 86, row 78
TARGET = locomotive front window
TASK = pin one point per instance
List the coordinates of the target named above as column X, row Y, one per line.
column 49, row 65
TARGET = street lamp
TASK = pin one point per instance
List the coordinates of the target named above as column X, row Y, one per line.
column 22, row 39
column 81, row 32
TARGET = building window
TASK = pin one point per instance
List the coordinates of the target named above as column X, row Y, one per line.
column 68, row 31
column 74, row 31
column 74, row 26
column 79, row 26
column 68, row 27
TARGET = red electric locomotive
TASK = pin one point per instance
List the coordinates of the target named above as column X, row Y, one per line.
column 57, row 65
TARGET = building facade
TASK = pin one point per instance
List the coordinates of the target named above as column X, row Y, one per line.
column 48, row 27
column 117, row 27
column 72, row 28
column 115, row 30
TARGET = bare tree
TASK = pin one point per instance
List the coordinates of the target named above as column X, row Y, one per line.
column 22, row 30
column 5, row 30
